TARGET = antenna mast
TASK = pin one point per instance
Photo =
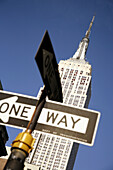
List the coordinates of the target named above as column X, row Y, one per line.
column 83, row 46
column 89, row 30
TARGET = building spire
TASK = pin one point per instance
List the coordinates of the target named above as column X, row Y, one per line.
column 89, row 30
column 83, row 46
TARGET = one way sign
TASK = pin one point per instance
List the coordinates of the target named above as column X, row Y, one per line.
column 79, row 125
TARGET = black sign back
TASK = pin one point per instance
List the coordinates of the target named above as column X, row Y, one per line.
column 47, row 64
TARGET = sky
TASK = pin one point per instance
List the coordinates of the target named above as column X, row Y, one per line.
column 22, row 25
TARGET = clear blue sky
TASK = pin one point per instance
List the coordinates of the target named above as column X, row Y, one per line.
column 22, row 25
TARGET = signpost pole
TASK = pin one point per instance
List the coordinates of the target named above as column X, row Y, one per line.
column 31, row 125
column 23, row 143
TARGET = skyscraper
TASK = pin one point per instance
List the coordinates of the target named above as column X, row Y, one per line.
column 53, row 152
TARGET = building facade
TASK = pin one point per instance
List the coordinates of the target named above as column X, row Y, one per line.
column 53, row 152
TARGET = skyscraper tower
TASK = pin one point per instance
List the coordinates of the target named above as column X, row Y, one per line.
column 53, row 152
column 75, row 75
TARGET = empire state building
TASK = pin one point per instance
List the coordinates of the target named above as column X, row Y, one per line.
column 53, row 152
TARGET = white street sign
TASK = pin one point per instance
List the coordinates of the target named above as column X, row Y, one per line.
column 64, row 120
column 77, row 124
